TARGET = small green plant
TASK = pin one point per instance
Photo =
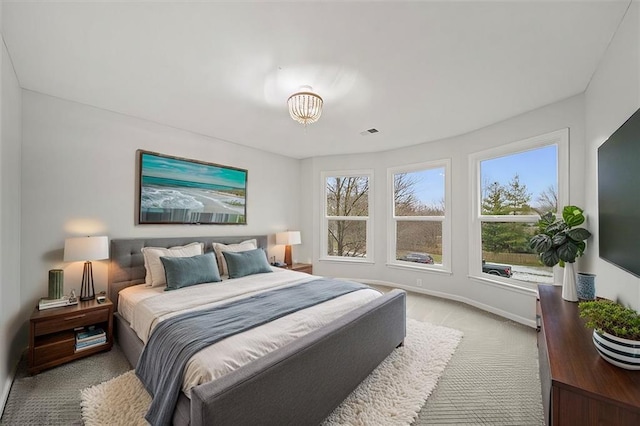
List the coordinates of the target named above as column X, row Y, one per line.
column 612, row 318
column 558, row 241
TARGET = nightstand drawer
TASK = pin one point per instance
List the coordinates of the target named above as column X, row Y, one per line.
column 71, row 320
column 306, row 269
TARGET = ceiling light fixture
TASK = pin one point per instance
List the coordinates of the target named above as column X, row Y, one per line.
column 305, row 106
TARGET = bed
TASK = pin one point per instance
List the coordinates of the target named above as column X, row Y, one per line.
column 298, row 383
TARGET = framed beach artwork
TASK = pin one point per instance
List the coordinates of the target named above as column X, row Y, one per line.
column 175, row 190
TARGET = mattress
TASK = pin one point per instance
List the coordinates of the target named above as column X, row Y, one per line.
column 144, row 307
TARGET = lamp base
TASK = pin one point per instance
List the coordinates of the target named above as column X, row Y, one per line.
column 287, row 255
column 87, row 291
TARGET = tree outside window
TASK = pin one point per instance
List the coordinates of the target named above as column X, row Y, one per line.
column 515, row 188
column 347, row 217
column 419, row 216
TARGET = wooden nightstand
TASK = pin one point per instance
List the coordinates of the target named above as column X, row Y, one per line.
column 301, row 267
column 52, row 333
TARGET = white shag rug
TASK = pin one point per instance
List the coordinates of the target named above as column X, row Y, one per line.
column 392, row 394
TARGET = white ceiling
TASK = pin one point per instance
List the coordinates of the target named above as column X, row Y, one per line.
column 416, row 71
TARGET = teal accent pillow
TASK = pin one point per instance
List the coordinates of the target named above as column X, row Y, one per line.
column 185, row 271
column 245, row 263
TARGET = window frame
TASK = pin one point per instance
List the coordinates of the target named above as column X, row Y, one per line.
column 560, row 138
column 325, row 218
column 392, row 229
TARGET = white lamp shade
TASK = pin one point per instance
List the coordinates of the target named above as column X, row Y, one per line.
column 288, row 238
column 86, row 248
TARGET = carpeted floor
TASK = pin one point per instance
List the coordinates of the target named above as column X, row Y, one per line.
column 492, row 378
column 53, row 396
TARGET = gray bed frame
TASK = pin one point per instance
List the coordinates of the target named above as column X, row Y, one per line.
column 299, row 384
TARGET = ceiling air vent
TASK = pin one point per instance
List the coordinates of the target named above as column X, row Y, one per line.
column 369, row 131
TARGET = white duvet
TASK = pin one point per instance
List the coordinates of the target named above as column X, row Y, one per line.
column 144, row 307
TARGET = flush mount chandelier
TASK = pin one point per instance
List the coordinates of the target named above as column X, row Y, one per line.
column 305, row 106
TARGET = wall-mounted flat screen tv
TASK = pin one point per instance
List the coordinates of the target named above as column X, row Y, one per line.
column 619, row 196
column 174, row 190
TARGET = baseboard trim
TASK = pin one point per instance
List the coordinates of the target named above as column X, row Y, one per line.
column 509, row 315
column 7, row 387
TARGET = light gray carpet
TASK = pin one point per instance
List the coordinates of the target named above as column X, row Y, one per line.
column 492, row 378
column 53, row 396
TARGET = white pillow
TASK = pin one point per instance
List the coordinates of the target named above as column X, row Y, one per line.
column 243, row 246
column 155, row 275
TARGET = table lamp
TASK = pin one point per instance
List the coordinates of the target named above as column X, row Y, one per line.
column 86, row 249
column 288, row 239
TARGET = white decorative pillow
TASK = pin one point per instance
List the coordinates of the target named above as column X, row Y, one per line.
column 243, row 246
column 155, row 275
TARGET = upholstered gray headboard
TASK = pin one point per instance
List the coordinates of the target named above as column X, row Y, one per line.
column 126, row 267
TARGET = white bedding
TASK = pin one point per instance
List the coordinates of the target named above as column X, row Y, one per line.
column 144, row 307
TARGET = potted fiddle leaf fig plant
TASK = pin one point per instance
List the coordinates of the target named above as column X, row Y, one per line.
column 616, row 331
column 561, row 241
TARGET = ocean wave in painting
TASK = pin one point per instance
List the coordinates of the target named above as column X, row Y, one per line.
column 154, row 198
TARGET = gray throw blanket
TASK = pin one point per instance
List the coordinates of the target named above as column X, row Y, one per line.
column 174, row 341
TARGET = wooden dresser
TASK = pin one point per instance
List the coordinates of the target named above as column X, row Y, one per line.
column 578, row 386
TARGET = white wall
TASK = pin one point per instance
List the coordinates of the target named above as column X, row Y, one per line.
column 78, row 178
column 611, row 98
column 516, row 304
column 11, row 343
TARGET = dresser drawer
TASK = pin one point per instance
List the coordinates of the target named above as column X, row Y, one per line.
column 71, row 320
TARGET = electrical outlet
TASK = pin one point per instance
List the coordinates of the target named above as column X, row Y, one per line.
column 419, row 282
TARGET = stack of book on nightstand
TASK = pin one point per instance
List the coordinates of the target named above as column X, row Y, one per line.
column 57, row 303
column 87, row 339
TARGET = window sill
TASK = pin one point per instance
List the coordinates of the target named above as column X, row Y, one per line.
column 436, row 270
column 346, row 260
column 517, row 286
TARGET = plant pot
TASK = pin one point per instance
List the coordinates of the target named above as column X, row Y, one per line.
column 620, row 352
column 586, row 286
column 569, row 291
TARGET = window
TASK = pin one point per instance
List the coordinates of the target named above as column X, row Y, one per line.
column 419, row 218
column 347, row 222
column 513, row 184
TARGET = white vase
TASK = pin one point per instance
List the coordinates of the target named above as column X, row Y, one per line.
column 569, row 290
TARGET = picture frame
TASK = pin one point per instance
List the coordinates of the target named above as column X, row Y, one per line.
column 176, row 190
